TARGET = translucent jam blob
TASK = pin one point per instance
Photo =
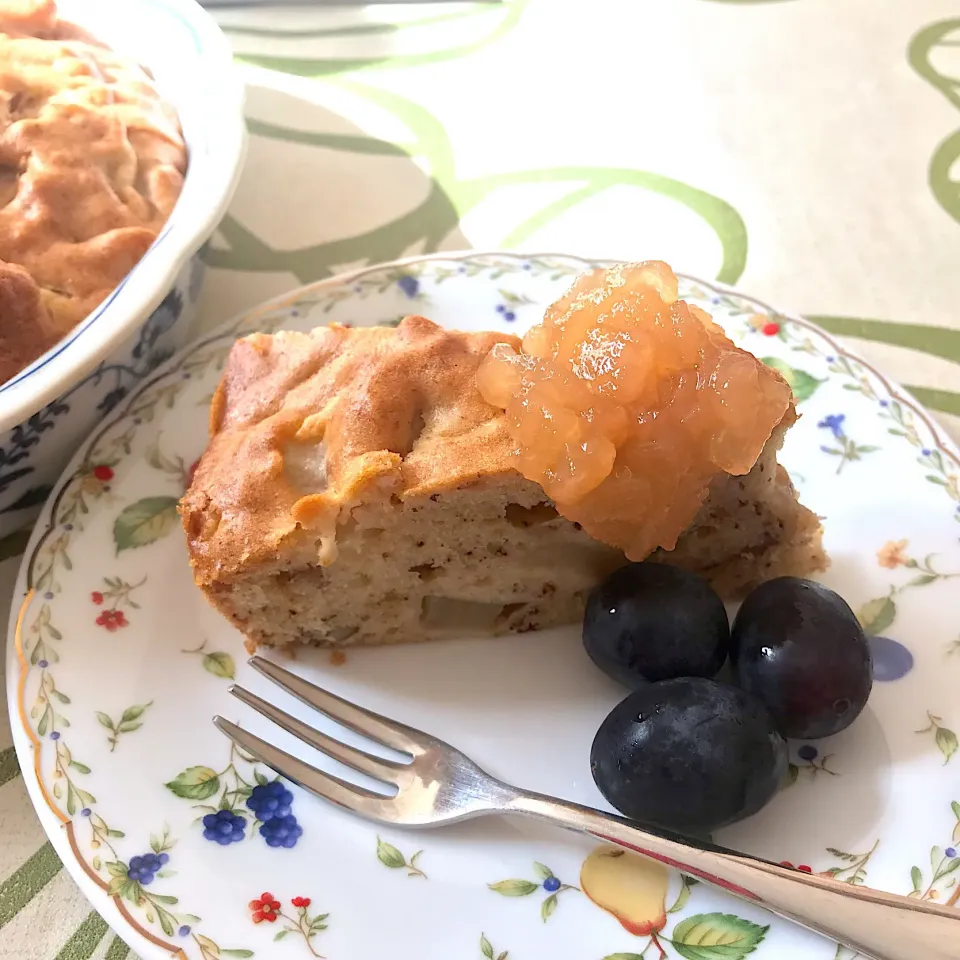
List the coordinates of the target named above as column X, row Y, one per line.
column 625, row 403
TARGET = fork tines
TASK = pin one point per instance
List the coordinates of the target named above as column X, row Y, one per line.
column 387, row 733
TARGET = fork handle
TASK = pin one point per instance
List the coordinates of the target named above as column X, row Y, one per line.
column 879, row 925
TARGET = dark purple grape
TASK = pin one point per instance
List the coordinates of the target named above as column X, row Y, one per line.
column 799, row 647
column 651, row 621
column 688, row 755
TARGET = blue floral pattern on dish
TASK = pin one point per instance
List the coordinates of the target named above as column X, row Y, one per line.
column 33, row 453
column 843, row 447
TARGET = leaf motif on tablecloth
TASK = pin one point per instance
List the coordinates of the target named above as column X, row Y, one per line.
column 937, row 341
column 434, row 218
column 448, row 36
column 929, row 50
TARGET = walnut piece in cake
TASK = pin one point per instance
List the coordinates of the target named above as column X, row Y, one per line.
column 358, row 489
column 92, row 161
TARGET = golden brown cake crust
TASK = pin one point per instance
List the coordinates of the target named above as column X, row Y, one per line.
column 91, row 164
column 397, row 411
column 305, row 426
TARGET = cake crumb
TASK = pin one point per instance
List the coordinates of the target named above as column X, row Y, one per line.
column 337, row 658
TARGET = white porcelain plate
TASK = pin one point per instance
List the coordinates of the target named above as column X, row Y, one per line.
column 117, row 664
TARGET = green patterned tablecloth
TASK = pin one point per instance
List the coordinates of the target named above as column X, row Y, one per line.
column 806, row 150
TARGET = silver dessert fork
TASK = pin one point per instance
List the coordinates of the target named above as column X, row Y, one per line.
column 438, row 784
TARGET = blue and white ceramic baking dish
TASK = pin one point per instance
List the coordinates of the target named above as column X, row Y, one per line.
column 48, row 408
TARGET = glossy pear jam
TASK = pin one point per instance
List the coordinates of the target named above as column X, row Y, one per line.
column 625, row 403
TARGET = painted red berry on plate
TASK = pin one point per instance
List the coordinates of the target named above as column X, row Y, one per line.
column 96, row 597
column 103, row 473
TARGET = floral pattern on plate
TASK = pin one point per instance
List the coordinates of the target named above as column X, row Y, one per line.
column 117, row 665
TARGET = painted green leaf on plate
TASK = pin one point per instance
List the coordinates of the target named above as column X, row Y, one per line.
column 947, row 743
column 716, row 936
column 195, row 783
column 389, row 855
column 144, row 522
column 134, row 712
column 548, row 906
column 801, row 383
column 219, row 664
column 876, row 615
column 513, row 888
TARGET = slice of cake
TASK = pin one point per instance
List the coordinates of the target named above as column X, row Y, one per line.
column 359, row 489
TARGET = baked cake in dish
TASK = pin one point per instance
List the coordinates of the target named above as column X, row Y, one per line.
column 358, row 488
column 92, row 161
